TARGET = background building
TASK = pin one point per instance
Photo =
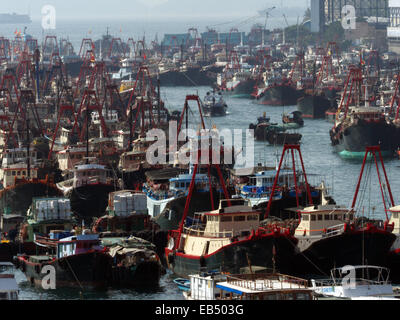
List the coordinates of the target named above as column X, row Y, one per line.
column 393, row 30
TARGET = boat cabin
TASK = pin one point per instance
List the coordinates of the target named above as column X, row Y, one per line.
column 13, row 156
column 369, row 114
column 17, row 172
column 323, row 219
column 87, row 174
column 77, row 245
column 68, row 158
column 220, row 227
column 8, row 287
column 264, row 287
column 132, row 160
column 395, row 219
column 182, row 183
column 203, row 286
column 263, row 181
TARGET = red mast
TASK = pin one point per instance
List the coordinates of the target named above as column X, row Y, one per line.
column 374, row 151
column 292, row 149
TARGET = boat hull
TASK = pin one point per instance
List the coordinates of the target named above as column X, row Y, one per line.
column 17, row 199
column 314, row 106
column 348, row 248
column 351, row 142
column 279, row 95
column 87, row 270
column 243, row 90
column 90, row 200
column 258, row 251
column 145, row 274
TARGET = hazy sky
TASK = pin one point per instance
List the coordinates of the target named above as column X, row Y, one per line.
column 152, row 9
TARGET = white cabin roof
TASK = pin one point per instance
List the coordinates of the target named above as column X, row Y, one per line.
column 8, row 283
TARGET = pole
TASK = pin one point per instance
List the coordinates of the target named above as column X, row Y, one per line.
column 158, row 100
column 87, row 133
column 28, row 162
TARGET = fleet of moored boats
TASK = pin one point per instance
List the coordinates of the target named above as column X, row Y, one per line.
column 79, row 195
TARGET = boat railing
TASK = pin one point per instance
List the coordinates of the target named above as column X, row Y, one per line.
column 201, row 232
column 261, row 282
column 345, row 282
column 334, row 230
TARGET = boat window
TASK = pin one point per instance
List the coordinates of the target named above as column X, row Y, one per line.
column 245, row 233
column 24, row 173
column 252, row 218
column 3, row 296
column 313, row 217
column 13, row 173
column 8, row 173
column 18, row 173
column 335, row 217
column 327, row 217
column 182, row 185
column 226, row 218
column 395, row 215
column 239, row 218
column 320, row 217
column 305, row 217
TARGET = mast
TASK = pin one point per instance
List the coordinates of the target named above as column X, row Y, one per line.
column 28, row 159
column 158, row 99
column 87, row 134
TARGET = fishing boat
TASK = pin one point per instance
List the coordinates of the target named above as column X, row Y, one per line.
column 278, row 91
column 360, row 282
column 357, row 127
column 22, row 179
column 46, row 216
column 79, row 261
column 214, row 105
column 135, row 262
column 159, row 195
column 229, row 237
column 237, row 80
column 317, row 100
column 88, row 189
column 314, row 105
column 276, row 133
column 330, row 235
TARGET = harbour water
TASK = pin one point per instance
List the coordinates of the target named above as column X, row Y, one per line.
column 319, row 158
